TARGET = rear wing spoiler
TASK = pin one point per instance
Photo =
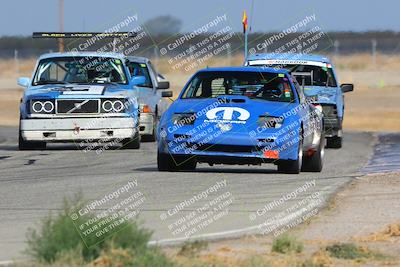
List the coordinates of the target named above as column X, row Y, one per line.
column 88, row 35
column 82, row 34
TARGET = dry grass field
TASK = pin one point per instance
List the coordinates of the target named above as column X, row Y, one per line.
column 373, row 106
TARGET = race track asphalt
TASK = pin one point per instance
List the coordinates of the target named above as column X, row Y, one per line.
column 34, row 183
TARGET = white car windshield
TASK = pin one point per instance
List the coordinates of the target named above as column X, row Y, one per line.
column 83, row 70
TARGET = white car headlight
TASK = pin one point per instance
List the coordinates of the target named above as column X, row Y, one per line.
column 107, row 106
column 42, row 106
column 112, row 106
column 117, row 106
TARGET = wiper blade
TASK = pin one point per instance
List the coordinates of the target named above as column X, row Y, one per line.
column 49, row 82
column 103, row 82
column 271, row 99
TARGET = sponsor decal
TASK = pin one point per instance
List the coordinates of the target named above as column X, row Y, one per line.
column 288, row 62
column 227, row 115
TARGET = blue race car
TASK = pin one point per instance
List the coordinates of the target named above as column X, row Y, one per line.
column 317, row 76
column 241, row 115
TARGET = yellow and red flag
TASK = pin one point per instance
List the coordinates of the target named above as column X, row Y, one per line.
column 244, row 22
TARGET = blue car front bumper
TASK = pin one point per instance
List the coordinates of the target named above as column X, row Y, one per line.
column 229, row 147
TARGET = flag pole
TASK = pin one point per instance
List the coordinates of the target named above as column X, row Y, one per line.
column 244, row 22
column 245, row 46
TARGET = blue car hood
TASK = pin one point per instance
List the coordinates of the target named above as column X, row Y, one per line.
column 325, row 94
column 245, row 111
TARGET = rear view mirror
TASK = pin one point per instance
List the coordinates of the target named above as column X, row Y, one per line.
column 347, row 87
column 167, row 94
column 163, row 85
column 23, row 81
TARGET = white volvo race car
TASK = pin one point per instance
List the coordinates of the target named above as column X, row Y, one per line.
column 72, row 97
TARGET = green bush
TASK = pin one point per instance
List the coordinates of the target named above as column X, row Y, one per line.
column 351, row 251
column 285, row 244
column 57, row 237
column 57, row 234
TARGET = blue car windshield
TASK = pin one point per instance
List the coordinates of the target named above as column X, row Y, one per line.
column 320, row 76
column 86, row 70
column 257, row 85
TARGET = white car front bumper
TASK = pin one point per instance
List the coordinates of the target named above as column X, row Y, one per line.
column 77, row 129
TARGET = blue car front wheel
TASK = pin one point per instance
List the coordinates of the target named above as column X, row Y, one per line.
column 292, row 166
column 168, row 162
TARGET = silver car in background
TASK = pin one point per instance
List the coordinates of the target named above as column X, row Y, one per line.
column 151, row 95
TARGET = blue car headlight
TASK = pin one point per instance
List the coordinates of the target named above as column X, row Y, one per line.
column 183, row 119
column 270, row 122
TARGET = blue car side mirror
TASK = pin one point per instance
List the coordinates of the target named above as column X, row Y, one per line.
column 23, row 81
column 138, row 80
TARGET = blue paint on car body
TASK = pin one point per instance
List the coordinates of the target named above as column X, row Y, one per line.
column 237, row 115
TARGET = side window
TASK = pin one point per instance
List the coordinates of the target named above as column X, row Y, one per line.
column 204, row 88
column 198, row 90
column 140, row 69
column 194, row 89
column 331, row 78
column 300, row 92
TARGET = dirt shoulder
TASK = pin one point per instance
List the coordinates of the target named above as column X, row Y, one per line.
column 365, row 215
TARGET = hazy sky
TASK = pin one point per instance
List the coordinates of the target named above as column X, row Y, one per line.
column 22, row 17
